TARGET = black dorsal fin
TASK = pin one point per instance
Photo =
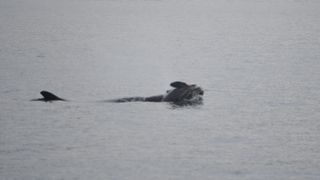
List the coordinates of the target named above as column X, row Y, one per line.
column 179, row 84
column 48, row 96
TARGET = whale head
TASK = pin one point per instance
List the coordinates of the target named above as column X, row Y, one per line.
column 184, row 94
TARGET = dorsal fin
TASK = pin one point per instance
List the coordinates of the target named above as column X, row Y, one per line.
column 179, row 84
column 48, row 96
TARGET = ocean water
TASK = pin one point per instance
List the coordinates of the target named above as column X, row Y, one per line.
column 258, row 62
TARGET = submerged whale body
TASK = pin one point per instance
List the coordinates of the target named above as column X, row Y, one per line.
column 48, row 96
column 181, row 94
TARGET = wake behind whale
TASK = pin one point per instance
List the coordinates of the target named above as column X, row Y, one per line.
column 181, row 94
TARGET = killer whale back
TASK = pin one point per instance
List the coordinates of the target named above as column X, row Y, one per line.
column 182, row 92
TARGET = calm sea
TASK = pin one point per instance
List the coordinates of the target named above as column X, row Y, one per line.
column 258, row 62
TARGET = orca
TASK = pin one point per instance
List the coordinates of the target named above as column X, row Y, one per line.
column 48, row 97
column 182, row 94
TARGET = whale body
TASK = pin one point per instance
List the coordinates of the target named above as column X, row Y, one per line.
column 181, row 94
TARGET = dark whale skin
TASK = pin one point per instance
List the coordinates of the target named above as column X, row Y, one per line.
column 181, row 94
column 48, row 97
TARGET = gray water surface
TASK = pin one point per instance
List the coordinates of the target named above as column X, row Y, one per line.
column 258, row 62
